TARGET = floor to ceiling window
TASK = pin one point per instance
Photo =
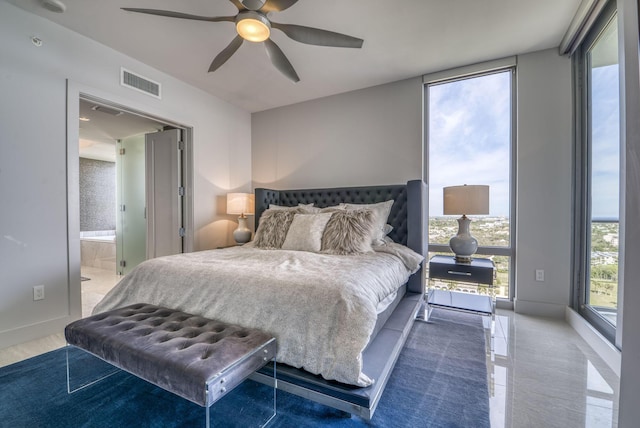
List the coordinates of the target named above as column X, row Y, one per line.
column 470, row 141
column 598, row 174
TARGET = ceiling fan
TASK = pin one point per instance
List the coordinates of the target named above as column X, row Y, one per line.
column 253, row 24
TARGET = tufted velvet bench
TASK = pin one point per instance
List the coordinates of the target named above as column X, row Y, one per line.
column 194, row 357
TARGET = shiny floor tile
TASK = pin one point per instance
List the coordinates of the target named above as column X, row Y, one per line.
column 542, row 374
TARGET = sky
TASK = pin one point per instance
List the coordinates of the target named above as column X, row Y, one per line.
column 605, row 134
column 470, row 138
column 604, row 124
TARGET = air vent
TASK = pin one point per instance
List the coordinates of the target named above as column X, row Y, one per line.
column 139, row 83
column 107, row 110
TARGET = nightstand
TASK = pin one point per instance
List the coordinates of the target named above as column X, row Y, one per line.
column 478, row 274
column 478, row 271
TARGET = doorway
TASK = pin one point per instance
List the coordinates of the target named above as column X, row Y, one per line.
column 146, row 167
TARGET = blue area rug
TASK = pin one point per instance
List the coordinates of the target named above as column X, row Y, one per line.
column 440, row 380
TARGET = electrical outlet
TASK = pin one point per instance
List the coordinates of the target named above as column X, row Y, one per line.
column 540, row 275
column 38, row 292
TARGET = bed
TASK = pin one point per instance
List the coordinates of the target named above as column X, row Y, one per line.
column 346, row 364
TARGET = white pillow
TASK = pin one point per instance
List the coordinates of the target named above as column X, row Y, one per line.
column 305, row 232
column 381, row 211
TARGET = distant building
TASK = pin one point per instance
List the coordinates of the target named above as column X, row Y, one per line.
column 604, row 258
column 611, row 238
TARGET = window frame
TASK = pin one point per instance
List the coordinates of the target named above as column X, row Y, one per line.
column 469, row 72
column 582, row 178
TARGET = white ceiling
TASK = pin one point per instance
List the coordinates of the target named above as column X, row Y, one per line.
column 402, row 39
column 98, row 134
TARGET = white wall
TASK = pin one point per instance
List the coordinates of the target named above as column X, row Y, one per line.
column 33, row 163
column 366, row 137
column 544, row 183
column 374, row 136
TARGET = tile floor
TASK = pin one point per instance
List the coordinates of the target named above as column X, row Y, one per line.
column 541, row 373
column 101, row 281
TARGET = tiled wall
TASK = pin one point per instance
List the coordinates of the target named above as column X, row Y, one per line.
column 97, row 195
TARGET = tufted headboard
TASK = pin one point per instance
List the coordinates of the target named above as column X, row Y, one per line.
column 409, row 214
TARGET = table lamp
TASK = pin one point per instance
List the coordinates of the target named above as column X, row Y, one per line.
column 465, row 200
column 241, row 204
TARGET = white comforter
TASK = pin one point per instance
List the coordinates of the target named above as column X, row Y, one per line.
column 321, row 308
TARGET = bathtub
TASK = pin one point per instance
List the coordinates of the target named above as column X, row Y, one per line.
column 98, row 249
column 107, row 238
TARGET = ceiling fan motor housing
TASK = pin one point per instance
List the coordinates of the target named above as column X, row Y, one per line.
column 253, row 4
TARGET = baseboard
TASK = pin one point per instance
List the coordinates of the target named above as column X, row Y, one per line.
column 605, row 349
column 34, row 331
column 504, row 304
column 540, row 309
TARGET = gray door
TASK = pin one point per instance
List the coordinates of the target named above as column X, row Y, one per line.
column 165, row 193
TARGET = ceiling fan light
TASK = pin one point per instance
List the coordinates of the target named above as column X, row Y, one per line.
column 253, row 26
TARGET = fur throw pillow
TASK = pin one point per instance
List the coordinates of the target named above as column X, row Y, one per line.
column 273, row 228
column 349, row 232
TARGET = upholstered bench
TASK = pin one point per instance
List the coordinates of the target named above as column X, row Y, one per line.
column 194, row 357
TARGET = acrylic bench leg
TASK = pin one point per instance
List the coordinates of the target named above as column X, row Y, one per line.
column 259, row 416
column 85, row 369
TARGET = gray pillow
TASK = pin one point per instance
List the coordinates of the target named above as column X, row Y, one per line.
column 349, row 232
column 273, row 228
column 307, row 207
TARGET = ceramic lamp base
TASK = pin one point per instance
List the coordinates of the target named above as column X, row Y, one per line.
column 242, row 234
column 463, row 244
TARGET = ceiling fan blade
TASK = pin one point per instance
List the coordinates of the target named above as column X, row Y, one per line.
column 171, row 14
column 277, row 5
column 238, row 4
column 280, row 61
column 226, row 53
column 318, row 37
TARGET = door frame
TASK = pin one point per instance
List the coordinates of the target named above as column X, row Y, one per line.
column 75, row 91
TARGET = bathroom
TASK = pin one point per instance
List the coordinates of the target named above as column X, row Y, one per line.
column 98, row 213
column 103, row 180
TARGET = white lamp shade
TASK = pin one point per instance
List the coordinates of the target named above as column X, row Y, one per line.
column 240, row 203
column 466, row 200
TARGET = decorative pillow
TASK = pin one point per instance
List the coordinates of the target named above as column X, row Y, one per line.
column 349, row 232
column 273, row 227
column 305, row 232
column 381, row 211
column 306, row 207
column 386, row 240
